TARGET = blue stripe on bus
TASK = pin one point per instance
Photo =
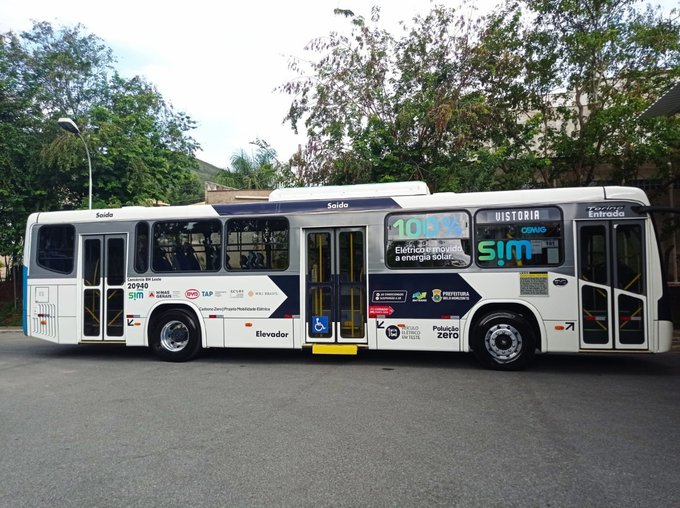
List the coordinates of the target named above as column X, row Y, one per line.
column 290, row 285
column 24, row 298
column 326, row 205
column 421, row 295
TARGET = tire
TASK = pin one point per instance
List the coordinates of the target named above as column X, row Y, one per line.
column 504, row 341
column 175, row 336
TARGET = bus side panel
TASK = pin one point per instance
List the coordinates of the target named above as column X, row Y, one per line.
column 418, row 334
column 69, row 331
column 665, row 330
column 214, row 332
column 43, row 319
column 24, row 299
column 661, row 329
column 556, row 311
column 561, row 336
column 25, row 307
column 259, row 333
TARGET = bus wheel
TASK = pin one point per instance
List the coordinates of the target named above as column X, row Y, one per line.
column 503, row 341
column 175, row 336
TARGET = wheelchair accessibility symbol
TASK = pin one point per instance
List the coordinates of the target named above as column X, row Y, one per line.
column 320, row 324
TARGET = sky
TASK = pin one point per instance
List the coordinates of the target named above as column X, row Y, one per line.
column 217, row 61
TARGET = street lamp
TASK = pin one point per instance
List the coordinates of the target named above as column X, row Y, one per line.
column 69, row 125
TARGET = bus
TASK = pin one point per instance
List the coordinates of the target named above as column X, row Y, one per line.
column 339, row 269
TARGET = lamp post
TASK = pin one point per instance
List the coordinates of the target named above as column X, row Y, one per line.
column 69, row 125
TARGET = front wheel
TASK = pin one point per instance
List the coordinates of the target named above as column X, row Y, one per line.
column 175, row 336
column 504, row 341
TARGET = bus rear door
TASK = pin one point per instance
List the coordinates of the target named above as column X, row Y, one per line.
column 103, row 287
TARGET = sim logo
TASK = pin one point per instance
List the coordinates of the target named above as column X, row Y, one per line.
column 502, row 250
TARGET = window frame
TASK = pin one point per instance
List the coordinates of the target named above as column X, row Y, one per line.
column 38, row 250
column 257, row 270
column 152, row 240
column 148, row 250
column 386, row 242
column 562, row 238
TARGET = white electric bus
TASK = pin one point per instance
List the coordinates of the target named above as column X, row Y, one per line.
column 338, row 269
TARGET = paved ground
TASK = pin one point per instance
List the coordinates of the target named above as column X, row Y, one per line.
column 110, row 426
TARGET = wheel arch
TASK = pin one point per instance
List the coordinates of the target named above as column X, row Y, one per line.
column 528, row 311
column 160, row 308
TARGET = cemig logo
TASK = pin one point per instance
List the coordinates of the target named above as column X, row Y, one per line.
column 533, row 230
column 192, row 294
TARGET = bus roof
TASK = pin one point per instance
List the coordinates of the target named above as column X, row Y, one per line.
column 366, row 190
column 322, row 203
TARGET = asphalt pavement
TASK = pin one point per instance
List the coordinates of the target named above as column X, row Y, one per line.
column 112, row 426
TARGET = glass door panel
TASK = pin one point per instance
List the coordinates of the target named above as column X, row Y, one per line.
column 612, row 284
column 103, row 280
column 336, row 285
column 630, row 285
column 320, row 302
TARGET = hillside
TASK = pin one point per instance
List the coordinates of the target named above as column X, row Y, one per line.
column 206, row 171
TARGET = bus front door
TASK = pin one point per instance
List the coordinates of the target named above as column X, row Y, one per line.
column 335, row 283
column 612, row 285
column 103, row 287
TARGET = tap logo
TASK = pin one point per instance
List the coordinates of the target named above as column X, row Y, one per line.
column 502, row 250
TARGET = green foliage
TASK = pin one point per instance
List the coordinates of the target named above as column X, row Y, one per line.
column 139, row 146
column 260, row 170
column 604, row 62
column 10, row 314
column 206, row 172
column 429, row 105
column 538, row 93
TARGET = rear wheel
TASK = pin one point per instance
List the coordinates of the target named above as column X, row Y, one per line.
column 504, row 341
column 175, row 336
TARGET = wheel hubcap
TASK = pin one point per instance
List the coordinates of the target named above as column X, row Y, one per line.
column 503, row 342
column 174, row 336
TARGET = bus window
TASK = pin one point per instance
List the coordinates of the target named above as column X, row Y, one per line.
column 519, row 237
column 187, row 246
column 257, row 244
column 594, row 255
column 142, row 247
column 630, row 265
column 56, row 246
column 428, row 240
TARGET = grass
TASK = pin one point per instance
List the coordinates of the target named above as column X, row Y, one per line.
column 9, row 316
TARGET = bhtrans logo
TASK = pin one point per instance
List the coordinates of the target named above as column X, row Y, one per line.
column 504, row 250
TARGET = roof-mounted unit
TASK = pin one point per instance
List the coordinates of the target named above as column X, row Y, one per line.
column 364, row 190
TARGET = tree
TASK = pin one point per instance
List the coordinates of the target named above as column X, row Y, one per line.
column 140, row 148
column 539, row 92
column 260, row 170
column 379, row 108
column 145, row 156
column 592, row 68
